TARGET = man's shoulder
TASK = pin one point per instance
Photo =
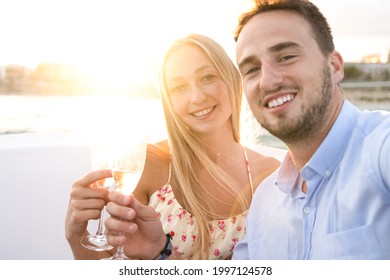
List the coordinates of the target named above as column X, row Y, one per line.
column 369, row 122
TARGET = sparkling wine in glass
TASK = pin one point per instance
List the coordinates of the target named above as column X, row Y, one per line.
column 100, row 160
column 128, row 160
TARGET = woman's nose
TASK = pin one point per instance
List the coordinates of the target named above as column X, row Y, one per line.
column 197, row 95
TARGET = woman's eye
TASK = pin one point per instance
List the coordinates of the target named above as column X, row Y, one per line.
column 177, row 89
column 208, row 77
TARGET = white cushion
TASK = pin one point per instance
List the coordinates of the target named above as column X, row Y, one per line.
column 37, row 171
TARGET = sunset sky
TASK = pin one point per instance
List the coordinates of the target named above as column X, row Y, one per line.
column 132, row 35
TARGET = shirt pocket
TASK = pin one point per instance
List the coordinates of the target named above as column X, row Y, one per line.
column 355, row 244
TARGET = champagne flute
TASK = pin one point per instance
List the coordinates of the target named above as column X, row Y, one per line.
column 128, row 160
column 100, row 160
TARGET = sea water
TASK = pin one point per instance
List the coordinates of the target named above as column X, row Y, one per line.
column 45, row 113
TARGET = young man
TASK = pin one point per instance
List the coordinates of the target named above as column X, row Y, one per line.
column 330, row 199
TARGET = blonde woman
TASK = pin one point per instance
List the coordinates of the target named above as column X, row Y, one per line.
column 197, row 186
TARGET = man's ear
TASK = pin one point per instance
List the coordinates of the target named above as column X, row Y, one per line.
column 338, row 66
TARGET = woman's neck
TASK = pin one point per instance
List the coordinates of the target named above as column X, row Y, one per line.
column 224, row 150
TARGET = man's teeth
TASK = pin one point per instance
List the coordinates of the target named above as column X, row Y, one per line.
column 280, row 101
column 203, row 112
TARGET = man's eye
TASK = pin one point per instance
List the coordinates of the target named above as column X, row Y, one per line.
column 287, row 58
column 252, row 70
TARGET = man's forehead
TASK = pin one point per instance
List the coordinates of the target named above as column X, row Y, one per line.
column 271, row 31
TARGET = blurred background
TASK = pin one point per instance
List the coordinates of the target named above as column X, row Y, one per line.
column 68, row 67
column 65, row 65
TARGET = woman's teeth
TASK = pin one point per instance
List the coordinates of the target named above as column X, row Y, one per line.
column 203, row 112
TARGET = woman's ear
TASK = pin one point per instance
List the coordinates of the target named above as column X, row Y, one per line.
column 338, row 66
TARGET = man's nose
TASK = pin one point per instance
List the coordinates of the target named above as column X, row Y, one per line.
column 270, row 78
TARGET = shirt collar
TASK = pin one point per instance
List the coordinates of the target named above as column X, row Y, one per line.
column 327, row 156
column 288, row 178
column 330, row 152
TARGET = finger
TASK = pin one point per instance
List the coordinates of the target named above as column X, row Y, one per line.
column 120, row 211
column 87, row 204
column 119, row 198
column 81, row 217
column 93, row 176
column 81, row 193
column 116, row 239
column 116, row 225
column 142, row 211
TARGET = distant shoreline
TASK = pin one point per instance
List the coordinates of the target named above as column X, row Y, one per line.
column 353, row 94
column 367, row 95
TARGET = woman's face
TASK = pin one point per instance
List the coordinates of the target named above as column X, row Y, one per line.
column 198, row 94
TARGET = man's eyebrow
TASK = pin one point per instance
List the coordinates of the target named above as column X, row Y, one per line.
column 274, row 49
column 246, row 60
column 283, row 46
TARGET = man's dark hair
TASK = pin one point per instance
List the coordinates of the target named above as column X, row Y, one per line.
column 307, row 10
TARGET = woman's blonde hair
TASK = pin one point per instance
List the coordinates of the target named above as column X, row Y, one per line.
column 188, row 152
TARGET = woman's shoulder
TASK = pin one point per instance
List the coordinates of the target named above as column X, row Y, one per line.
column 157, row 159
column 258, row 156
column 156, row 170
column 159, row 150
column 261, row 165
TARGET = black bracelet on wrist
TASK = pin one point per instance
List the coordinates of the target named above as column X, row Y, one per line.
column 167, row 251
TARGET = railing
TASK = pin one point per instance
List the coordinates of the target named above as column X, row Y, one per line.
column 357, row 85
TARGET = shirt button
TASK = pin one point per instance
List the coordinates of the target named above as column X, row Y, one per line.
column 328, row 173
column 306, row 210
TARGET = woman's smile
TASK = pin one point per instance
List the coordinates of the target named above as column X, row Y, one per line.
column 203, row 112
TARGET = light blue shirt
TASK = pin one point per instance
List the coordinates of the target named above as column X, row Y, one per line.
column 345, row 213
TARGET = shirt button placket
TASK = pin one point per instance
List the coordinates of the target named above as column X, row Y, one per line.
column 307, row 229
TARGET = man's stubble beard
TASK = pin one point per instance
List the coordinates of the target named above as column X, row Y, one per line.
column 313, row 116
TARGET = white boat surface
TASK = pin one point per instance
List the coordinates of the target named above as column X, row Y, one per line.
column 37, row 171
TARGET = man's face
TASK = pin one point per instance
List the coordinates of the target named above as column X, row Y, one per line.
column 287, row 80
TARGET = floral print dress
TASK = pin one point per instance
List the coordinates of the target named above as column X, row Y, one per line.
column 180, row 224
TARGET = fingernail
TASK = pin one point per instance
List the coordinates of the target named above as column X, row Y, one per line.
column 125, row 200
column 128, row 214
column 131, row 228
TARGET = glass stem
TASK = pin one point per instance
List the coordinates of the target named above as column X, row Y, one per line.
column 99, row 231
column 120, row 252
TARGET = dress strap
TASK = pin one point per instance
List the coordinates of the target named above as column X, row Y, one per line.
column 170, row 169
column 248, row 169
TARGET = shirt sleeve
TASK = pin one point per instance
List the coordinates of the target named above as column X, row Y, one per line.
column 384, row 161
column 241, row 250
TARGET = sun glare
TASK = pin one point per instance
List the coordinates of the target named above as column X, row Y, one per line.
column 117, row 76
column 114, row 44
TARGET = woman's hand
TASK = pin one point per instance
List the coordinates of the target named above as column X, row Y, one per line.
column 86, row 202
column 135, row 226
